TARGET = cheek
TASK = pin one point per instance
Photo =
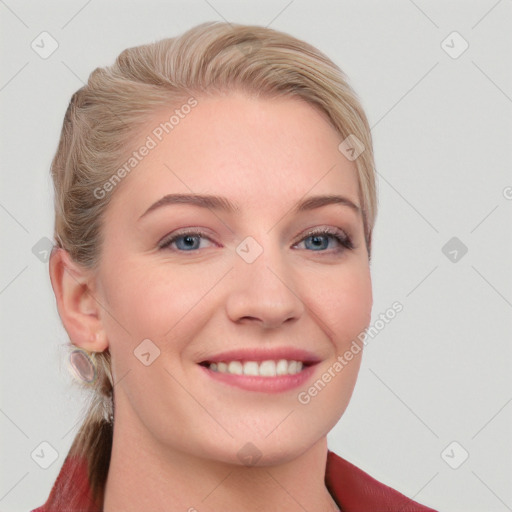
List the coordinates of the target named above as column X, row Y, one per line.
column 343, row 304
column 153, row 302
column 343, row 311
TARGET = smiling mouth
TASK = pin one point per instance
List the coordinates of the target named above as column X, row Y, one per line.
column 267, row 368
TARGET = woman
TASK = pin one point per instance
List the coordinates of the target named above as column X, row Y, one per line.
column 214, row 201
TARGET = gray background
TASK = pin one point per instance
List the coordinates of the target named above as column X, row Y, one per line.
column 440, row 371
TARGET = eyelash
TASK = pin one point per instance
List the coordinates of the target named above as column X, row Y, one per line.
column 341, row 237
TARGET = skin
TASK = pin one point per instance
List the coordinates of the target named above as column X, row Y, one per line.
column 177, row 431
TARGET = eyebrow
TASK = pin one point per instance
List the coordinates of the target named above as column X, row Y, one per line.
column 221, row 203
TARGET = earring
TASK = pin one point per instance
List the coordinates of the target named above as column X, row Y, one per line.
column 83, row 364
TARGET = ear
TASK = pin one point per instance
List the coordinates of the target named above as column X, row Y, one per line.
column 74, row 289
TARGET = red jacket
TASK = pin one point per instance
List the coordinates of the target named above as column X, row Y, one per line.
column 352, row 489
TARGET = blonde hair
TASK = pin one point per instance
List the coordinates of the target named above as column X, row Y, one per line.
column 105, row 116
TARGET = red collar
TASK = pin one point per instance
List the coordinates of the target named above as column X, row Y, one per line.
column 356, row 491
column 352, row 489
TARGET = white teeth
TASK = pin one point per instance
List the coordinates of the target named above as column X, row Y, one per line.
column 292, row 367
column 251, row 368
column 235, row 367
column 267, row 368
column 282, row 367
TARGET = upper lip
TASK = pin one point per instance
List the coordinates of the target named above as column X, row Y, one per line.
column 260, row 354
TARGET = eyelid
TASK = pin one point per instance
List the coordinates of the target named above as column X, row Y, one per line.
column 342, row 236
column 329, row 230
column 181, row 232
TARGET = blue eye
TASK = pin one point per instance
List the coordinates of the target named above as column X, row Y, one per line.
column 191, row 241
column 319, row 239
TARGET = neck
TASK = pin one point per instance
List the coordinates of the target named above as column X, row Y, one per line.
column 143, row 476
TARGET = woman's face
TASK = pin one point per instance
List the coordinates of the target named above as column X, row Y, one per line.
column 255, row 286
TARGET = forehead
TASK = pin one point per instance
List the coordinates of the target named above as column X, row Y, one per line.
column 261, row 152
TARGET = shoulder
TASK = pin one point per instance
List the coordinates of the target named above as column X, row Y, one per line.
column 356, row 491
column 71, row 490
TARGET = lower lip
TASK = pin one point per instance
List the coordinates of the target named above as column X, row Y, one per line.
column 276, row 384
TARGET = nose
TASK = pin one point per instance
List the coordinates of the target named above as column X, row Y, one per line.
column 263, row 292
